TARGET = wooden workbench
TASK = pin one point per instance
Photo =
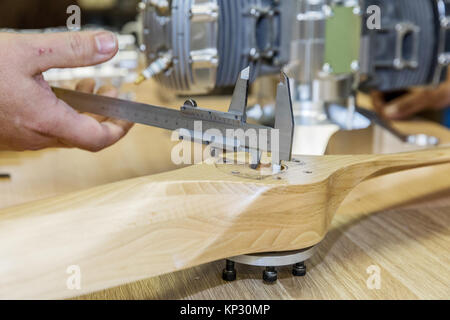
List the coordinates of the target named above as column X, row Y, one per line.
column 399, row 223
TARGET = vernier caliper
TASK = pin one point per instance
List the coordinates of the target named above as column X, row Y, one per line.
column 277, row 140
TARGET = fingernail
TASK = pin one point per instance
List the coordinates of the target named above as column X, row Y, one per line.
column 106, row 42
column 391, row 110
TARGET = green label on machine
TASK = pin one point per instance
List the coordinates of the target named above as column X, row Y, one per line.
column 342, row 39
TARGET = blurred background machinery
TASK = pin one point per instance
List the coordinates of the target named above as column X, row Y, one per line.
column 186, row 40
column 330, row 49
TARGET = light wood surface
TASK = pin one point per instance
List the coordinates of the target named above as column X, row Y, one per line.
column 145, row 227
column 357, row 238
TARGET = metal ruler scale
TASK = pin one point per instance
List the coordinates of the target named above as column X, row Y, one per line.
column 185, row 119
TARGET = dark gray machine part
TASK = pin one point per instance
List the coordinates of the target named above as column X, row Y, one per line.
column 405, row 52
column 255, row 33
column 169, row 33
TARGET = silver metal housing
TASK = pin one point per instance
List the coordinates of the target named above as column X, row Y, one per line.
column 275, row 259
column 187, row 32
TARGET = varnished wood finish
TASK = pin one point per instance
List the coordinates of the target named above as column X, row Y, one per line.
column 149, row 226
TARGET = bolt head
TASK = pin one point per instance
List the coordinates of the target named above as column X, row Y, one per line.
column 398, row 64
column 328, row 12
column 254, row 53
column 443, row 59
column 270, row 276
column 255, row 12
column 299, row 270
column 327, row 68
column 228, row 275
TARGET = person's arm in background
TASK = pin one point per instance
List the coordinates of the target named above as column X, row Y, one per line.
column 417, row 100
column 31, row 116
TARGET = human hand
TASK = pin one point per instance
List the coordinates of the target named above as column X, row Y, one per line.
column 31, row 116
column 88, row 86
column 409, row 104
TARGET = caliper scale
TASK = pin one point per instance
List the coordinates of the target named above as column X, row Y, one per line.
column 184, row 120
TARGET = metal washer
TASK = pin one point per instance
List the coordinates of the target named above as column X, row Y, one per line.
column 275, row 259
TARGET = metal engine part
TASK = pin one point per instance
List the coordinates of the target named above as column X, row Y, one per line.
column 196, row 46
column 409, row 49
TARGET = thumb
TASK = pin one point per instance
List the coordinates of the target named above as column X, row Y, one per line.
column 69, row 49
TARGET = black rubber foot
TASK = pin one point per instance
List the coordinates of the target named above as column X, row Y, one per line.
column 229, row 273
column 270, row 274
column 299, row 269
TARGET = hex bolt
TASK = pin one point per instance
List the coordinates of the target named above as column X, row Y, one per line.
column 229, row 273
column 270, row 274
column 299, row 269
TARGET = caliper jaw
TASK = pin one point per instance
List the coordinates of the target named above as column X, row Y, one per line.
column 281, row 148
column 280, row 138
column 284, row 120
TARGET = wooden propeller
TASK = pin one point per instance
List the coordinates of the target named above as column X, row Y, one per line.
column 144, row 227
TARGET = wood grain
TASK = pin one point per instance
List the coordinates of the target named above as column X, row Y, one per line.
column 338, row 270
column 131, row 230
